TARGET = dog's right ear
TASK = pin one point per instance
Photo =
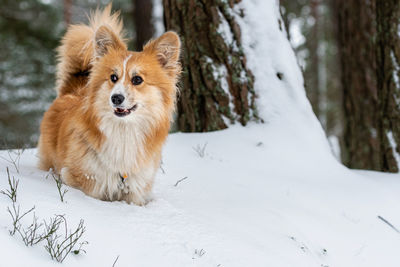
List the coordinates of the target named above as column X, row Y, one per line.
column 105, row 39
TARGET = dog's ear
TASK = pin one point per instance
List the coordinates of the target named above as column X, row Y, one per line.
column 167, row 50
column 104, row 40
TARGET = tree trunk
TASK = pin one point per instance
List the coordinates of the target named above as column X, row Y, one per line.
column 142, row 18
column 388, row 81
column 67, row 12
column 356, row 31
column 216, row 85
column 313, row 70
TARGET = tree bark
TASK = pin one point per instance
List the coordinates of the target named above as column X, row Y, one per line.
column 67, row 12
column 142, row 18
column 216, row 85
column 356, row 31
column 313, row 70
column 388, row 81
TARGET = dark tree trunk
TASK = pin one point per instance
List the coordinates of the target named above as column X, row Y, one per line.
column 142, row 18
column 388, row 80
column 312, row 71
column 284, row 11
column 356, row 31
column 67, row 12
column 216, row 85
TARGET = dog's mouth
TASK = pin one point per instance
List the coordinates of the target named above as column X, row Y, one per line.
column 122, row 112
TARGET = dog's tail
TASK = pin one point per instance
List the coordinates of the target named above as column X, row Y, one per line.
column 76, row 52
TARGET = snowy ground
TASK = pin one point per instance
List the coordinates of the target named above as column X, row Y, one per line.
column 250, row 201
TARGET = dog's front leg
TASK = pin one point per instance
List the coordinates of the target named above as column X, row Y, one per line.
column 78, row 180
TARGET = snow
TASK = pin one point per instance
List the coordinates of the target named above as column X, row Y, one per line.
column 268, row 194
column 297, row 38
column 252, row 200
column 393, row 144
column 224, row 29
column 396, row 71
column 268, row 52
column 220, row 73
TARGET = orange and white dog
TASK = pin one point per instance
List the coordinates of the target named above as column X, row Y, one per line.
column 104, row 132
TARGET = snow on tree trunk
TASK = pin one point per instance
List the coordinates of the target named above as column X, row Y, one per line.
column 217, row 87
column 265, row 57
column 388, row 81
column 281, row 99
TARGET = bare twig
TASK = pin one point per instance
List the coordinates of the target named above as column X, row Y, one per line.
column 180, row 180
column 61, row 192
column 388, row 223
column 13, row 184
column 16, row 217
column 200, row 150
column 31, row 235
column 115, row 261
column 14, row 159
column 161, row 167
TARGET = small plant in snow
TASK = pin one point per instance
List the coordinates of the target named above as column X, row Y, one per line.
column 16, row 217
column 13, row 184
column 32, row 235
column 200, row 150
column 13, row 157
column 60, row 246
column 61, row 191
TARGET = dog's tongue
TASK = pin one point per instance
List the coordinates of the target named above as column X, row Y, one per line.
column 121, row 110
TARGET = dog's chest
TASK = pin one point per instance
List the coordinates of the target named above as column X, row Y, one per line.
column 122, row 148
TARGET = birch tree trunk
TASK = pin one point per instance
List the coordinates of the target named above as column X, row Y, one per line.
column 217, row 87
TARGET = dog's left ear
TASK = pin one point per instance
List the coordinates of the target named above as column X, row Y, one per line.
column 105, row 39
column 167, row 50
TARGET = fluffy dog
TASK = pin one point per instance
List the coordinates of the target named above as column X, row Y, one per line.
column 104, row 132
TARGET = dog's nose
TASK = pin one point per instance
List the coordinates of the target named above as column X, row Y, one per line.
column 117, row 99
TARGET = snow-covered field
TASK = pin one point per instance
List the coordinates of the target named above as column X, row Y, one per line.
column 251, row 200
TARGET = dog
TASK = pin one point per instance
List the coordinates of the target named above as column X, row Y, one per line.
column 104, row 132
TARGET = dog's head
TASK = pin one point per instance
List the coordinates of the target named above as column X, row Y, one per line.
column 134, row 86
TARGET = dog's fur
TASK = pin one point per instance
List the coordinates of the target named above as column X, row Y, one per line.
column 81, row 138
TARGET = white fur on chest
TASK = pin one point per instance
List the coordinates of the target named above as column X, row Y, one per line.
column 119, row 154
column 123, row 146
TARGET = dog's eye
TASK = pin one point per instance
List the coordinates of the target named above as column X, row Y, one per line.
column 136, row 80
column 114, row 78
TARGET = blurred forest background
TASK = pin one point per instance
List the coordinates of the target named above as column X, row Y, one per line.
column 337, row 45
column 30, row 30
